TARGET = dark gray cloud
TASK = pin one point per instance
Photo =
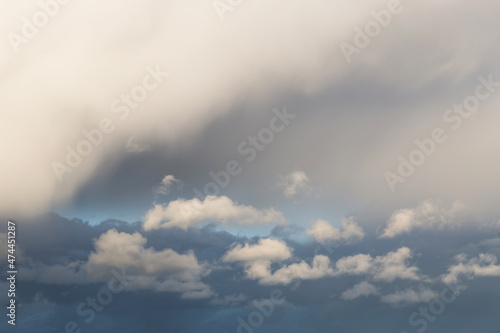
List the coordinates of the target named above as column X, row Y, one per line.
column 310, row 304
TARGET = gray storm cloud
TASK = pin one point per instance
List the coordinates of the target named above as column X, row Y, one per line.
column 72, row 76
column 66, row 78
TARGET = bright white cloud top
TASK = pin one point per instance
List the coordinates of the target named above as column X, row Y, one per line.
column 184, row 214
column 350, row 231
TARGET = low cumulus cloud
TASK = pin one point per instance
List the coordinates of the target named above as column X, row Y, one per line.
column 350, row 231
column 161, row 271
column 363, row 289
column 428, row 215
column 267, row 249
column 184, row 214
column 258, row 259
column 261, row 271
column 386, row 268
column 484, row 265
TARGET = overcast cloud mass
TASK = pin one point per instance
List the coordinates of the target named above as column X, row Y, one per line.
column 250, row 166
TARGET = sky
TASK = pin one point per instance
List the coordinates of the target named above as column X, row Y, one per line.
column 250, row 166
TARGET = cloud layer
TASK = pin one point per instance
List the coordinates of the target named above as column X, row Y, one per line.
column 221, row 276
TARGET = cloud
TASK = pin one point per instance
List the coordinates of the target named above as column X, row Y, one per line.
column 266, row 249
column 120, row 250
column 481, row 266
column 362, row 289
column 257, row 260
column 133, row 147
column 161, row 271
column 184, row 214
column 166, row 184
column 358, row 264
column 295, row 183
column 409, row 296
column 350, row 232
column 427, row 216
column 387, row 268
column 319, row 268
column 169, row 115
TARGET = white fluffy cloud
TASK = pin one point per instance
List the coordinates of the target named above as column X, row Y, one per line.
column 387, row 268
column 362, row 289
column 428, row 215
column 350, row 231
column 409, row 296
column 481, row 266
column 162, row 271
column 295, row 183
column 266, row 249
column 184, row 214
column 319, row 268
column 166, row 183
column 257, row 260
column 119, row 250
